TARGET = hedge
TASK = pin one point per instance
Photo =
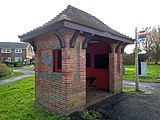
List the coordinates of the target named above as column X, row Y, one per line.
column 4, row 70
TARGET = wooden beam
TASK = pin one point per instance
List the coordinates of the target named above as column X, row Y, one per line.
column 118, row 47
column 113, row 47
column 41, row 31
column 86, row 29
column 86, row 40
column 32, row 42
column 67, row 24
column 74, row 38
column 60, row 38
column 123, row 47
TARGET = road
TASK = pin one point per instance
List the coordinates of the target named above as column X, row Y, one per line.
column 143, row 86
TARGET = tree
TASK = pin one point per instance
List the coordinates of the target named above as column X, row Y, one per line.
column 152, row 44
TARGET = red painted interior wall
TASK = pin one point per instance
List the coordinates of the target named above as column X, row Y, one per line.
column 102, row 75
column 55, row 61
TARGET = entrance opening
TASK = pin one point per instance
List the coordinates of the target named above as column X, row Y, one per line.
column 97, row 72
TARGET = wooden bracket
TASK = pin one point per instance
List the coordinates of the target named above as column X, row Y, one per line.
column 86, row 40
column 60, row 38
column 33, row 45
column 74, row 38
column 123, row 47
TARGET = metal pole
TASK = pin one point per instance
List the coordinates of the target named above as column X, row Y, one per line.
column 136, row 62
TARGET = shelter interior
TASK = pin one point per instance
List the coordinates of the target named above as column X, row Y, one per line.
column 97, row 71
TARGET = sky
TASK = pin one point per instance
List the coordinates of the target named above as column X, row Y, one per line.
column 20, row 16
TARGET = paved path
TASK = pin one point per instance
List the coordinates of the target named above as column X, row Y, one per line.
column 27, row 71
column 143, row 86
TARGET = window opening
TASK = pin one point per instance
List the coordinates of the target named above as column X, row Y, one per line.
column 88, row 60
column 101, row 61
column 57, row 60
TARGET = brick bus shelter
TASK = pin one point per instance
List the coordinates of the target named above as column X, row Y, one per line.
column 78, row 61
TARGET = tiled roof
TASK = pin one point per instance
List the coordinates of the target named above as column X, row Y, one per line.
column 13, row 45
column 77, row 16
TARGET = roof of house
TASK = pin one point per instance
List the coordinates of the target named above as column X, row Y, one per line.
column 74, row 15
column 22, row 45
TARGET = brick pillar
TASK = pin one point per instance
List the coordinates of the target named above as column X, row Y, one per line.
column 37, row 70
column 115, row 70
column 74, row 74
column 62, row 92
column 120, row 66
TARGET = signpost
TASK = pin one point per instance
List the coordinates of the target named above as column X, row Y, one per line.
column 136, row 62
column 140, row 37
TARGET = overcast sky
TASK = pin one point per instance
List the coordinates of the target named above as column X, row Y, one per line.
column 19, row 16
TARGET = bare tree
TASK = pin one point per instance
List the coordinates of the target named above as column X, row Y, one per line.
column 152, row 43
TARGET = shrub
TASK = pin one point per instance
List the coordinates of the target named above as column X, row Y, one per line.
column 91, row 115
column 14, row 63
column 6, row 62
column 128, row 59
column 4, row 70
column 19, row 64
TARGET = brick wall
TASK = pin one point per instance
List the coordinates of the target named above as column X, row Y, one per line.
column 4, row 56
column 66, row 93
column 115, row 70
column 13, row 54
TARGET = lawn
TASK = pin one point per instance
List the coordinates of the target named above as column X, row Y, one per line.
column 17, row 102
column 132, row 90
column 11, row 75
column 153, row 73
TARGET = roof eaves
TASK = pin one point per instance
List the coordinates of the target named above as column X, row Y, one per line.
column 67, row 16
column 87, row 29
column 41, row 31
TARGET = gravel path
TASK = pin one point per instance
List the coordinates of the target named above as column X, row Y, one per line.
column 127, row 106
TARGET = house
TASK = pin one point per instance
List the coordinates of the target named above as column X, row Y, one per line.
column 15, row 51
column 78, row 61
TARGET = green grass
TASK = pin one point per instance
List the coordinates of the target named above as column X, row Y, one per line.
column 11, row 75
column 132, row 90
column 17, row 102
column 152, row 63
column 91, row 115
column 153, row 73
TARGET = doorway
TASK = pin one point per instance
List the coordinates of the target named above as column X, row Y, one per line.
column 97, row 71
